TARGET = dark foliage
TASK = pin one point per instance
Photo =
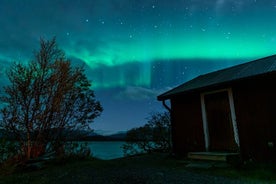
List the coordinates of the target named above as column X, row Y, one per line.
column 152, row 137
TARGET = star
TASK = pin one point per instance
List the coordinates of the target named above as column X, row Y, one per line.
column 121, row 42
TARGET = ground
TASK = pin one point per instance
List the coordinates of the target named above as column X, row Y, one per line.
column 153, row 169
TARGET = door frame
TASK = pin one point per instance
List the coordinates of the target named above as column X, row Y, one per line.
column 233, row 116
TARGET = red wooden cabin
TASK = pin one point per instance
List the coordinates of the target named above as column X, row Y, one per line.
column 230, row 110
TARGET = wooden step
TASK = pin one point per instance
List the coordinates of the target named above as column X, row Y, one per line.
column 213, row 156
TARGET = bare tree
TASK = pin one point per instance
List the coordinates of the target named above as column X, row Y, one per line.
column 47, row 100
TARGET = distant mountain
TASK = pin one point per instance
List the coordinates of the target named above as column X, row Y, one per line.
column 119, row 136
column 113, row 137
column 89, row 136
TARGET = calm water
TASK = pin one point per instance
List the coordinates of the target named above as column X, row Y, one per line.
column 106, row 149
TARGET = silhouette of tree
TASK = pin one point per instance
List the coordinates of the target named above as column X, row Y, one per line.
column 154, row 136
column 47, row 100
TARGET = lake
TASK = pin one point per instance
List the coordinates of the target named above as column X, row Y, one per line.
column 106, row 150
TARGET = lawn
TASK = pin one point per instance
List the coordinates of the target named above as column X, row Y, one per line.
column 153, row 168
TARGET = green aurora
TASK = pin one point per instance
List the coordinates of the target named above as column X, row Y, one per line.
column 133, row 50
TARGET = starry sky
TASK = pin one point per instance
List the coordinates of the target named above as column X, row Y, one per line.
column 134, row 50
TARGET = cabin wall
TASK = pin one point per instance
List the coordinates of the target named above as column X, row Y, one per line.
column 255, row 102
column 255, row 109
column 187, row 127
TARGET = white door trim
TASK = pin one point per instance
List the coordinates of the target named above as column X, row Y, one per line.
column 205, row 124
column 233, row 116
column 204, row 116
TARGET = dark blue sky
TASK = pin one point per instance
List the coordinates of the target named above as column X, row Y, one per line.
column 134, row 50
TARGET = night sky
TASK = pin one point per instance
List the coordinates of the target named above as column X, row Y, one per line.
column 134, row 50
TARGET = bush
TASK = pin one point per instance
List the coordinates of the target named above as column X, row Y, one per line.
column 152, row 137
column 77, row 149
column 8, row 150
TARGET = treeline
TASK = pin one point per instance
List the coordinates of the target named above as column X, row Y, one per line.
column 74, row 136
column 97, row 137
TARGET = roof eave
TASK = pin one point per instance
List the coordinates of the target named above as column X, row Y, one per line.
column 163, row 96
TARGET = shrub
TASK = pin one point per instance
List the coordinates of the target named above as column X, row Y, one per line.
column 152, row 137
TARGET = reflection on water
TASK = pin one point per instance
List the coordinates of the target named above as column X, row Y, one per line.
column 106, row 149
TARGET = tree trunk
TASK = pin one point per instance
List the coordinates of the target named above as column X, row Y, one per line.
column 29, row 146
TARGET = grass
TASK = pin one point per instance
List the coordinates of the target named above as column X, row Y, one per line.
column 248, row 172
column 155, row 168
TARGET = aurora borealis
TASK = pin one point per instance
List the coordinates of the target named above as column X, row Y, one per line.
column 134, row 50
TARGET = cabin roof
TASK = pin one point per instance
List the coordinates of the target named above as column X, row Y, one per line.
column 237, row 72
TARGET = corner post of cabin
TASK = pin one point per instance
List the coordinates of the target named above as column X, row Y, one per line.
column 170, row 111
